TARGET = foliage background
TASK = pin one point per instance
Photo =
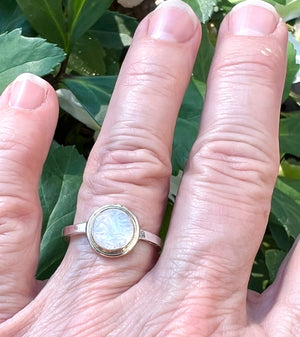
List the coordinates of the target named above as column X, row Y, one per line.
column 79, row 46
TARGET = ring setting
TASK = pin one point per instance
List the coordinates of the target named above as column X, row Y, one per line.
column 112, row 231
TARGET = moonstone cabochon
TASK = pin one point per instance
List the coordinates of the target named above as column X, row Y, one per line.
column 113, row 230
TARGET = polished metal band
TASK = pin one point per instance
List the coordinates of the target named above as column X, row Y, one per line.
column 112, row 231
column 81, row 229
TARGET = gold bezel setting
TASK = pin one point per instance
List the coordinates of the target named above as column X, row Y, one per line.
column 117, row 252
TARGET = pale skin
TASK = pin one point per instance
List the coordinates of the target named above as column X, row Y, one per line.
column 198, row 285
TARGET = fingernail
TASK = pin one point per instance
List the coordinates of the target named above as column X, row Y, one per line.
column 28, row 91
column 174, row 21
column 253, row 18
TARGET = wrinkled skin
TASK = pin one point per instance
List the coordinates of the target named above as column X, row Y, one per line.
column 198, row 285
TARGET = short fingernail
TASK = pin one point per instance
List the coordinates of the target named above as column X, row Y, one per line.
column 253, row 18
column 173, row 20
column 28, row 91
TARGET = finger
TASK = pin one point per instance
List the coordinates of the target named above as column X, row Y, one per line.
column 130, row 163
column 28, row 114
column 280, row 298
column 223, row 204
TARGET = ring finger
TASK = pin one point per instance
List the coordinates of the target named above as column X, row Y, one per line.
column 130, row 162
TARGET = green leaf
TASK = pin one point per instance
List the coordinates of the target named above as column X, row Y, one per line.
column 225, row 5
column 275, row 2
column 185, row 135
column 286, row 212
column 295, row 41
column 289, row 198
column 47, row 18
column 113, row 60
column 69, row 103
column 59, row 185
column 187, row 125
column 204, row 57
column 292, row 69
column 282, row 239
column 274, row 259
column 272, row 2
column 290, row 168
column 82, row 14
column 259, row 278
column 202, row 8
column 281, row 2
column 166, row 220
column 11, row 17
column 289, row 11
column 291, row 187
column 93, row 93
column 114, row 30
column 87, row 57
column 20, row 54
column 289, row 135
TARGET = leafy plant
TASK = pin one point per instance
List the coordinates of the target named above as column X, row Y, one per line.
column 78, row 46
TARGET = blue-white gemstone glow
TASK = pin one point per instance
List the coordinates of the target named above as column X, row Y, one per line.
column 112, row 229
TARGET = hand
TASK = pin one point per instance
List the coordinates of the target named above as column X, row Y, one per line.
column 192, row 289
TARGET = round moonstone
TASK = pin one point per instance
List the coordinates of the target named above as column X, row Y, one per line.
column 112, row 229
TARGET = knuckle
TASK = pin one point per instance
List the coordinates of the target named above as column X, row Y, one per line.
column 18, row 207
column 127, row 169
column 258, row 64
column 14, row 148
column 242, row 166
column 151, row 77
column 19, row 220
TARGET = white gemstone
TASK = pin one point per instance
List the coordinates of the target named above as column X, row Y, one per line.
column 112, row 229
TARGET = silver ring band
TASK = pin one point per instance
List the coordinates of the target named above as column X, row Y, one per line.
column 112, row 231
column 81, row 229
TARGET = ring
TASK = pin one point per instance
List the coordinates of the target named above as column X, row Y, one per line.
column 112, row 231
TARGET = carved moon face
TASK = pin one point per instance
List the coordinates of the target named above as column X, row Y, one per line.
column 112, row 230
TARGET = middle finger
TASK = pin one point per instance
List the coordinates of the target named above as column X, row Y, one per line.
column 225, row 195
